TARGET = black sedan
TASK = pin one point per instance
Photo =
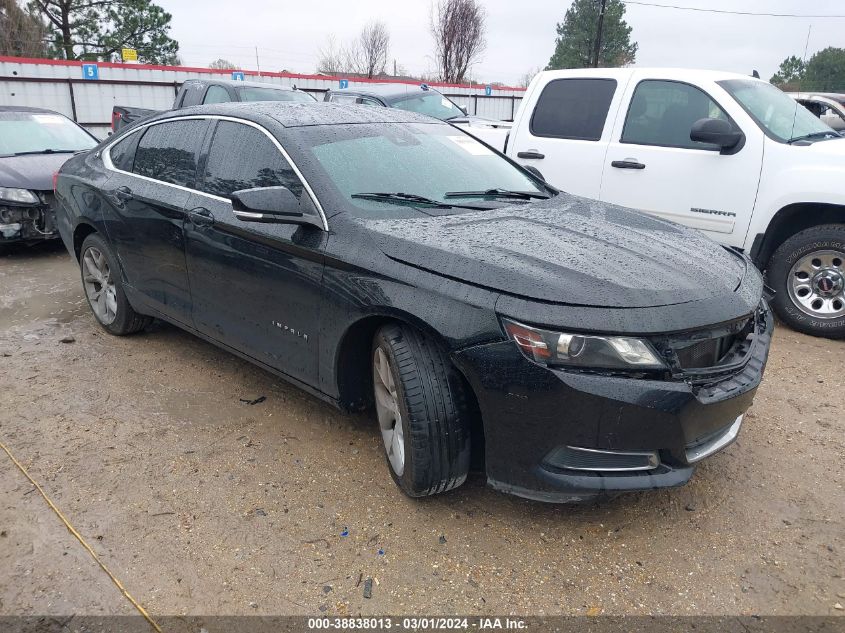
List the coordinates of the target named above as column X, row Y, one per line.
column 33, row 145
column 381, row 259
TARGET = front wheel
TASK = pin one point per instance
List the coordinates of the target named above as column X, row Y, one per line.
column 422, row 410
column 104, row 289
column 807, row 273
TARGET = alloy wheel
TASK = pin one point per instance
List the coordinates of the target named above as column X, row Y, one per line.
column 99, row 286
column 387, row 410
column 817, row 284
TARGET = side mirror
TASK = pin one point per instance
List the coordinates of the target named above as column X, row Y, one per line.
column 464, row 110
column 535, row 171
column 716, row 132
column 270, row 204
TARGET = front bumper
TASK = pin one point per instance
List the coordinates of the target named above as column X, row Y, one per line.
column 533, row 415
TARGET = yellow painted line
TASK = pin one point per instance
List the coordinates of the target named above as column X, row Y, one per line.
column 78, row 536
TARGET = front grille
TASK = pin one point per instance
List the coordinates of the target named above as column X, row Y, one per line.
column 705, row 353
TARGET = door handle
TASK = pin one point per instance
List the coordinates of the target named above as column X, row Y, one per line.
column 628, row 163
column 531, row 153
column 123, row 194
column 201, row 217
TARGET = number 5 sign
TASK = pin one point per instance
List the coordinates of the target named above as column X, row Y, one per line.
column 90, row 71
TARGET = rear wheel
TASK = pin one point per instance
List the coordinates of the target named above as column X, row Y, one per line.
column 104, row 289
column 422, row 412
column 807, row 273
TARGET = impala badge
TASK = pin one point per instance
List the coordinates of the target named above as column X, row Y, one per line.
column 289, row 330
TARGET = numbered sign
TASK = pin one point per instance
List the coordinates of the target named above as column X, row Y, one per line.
column 90, row 71
column 344, row 83
column 237, row 75
column 488, row 90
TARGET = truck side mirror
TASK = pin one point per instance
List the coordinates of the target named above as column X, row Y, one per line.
column 716, row 132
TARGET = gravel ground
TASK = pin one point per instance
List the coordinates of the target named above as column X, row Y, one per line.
column 201, row 504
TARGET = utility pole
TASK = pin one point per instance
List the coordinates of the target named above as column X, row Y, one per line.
column 394, row 67
column 598, row 34
column 257, row 63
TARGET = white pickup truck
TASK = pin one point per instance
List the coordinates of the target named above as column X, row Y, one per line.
column 721, row 152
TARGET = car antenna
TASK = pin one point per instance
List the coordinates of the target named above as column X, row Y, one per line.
column 755, row 74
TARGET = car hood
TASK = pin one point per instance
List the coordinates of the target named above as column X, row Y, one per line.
column 34, row 171
column 567, row 250
column 831, row 148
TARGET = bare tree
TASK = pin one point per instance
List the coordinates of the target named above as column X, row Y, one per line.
column 369, row 53
column 21, row 33
column 527, row 77
column 222, row 64
column 458, row 29
column 334, row 58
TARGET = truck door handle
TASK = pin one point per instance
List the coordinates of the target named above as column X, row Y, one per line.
column 531, row 153
column 201, row 217
column 628, row 163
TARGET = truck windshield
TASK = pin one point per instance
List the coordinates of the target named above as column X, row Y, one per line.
column 778, row 114
column 432, row 104
column 396, row 170
column 40, row 133
column 271, row 94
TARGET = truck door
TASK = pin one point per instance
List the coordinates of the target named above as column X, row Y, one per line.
column 565, row 135
column 652, row 164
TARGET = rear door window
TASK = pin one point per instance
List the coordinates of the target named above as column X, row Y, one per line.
column 168, row 151
column 216, row 94
column 573, row 109
column 122, row 153
column 243, row 157
column 663, row 112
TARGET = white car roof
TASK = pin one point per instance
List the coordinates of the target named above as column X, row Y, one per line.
column 687, row 74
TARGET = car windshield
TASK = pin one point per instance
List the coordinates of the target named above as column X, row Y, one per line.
column 778, row 114
column 40, row 132
column 249, row 93
column 417, row 160
column 431, row 104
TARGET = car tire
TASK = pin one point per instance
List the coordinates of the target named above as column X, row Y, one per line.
column 103, row 286
column 415, row 381
column 807, row 273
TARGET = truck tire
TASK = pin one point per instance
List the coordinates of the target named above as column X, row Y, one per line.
column 103, row 286
column 807, row 273
column 422, row 411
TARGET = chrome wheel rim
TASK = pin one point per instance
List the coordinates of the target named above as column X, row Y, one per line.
column 99, row 286
column 387, row 410
column 817, row 284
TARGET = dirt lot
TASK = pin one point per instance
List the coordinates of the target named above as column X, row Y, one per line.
column 201, row 504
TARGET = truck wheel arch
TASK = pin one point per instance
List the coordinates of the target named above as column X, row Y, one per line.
column 790, row 220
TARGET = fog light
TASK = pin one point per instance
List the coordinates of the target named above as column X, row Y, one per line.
column 597, row 460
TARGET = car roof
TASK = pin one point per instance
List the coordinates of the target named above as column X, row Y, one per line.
column 292, row 114
column 383, row 90
column 14, row 108
column 669, row 73
column 237, row 83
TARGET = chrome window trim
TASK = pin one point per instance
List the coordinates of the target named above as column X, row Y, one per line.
column 106, row 157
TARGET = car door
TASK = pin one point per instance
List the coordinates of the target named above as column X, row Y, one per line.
column 255, row 286
column 148, row 192
column 652, row 164
column 567, row 133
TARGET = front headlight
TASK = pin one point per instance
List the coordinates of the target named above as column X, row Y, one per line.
column 582, row 350
column 20, row 196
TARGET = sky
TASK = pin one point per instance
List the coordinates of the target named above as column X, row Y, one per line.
column 520, row 34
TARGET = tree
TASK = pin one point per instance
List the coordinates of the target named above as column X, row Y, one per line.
column 369, row 53
column 458, row 29
column 222, row 64
column 98, row 29
column 576, row 37
column 527, row 77
column 21, row 33
column 791, row 71
column 825, row 72
column 333, row 58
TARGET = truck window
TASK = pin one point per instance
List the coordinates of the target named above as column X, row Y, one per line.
column 663, row 112
column 573, row 108
column 216, row 94
column 168, row 151
column 242, row 157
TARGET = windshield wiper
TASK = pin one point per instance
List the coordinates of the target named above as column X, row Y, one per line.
column 807, row 137
column 47, row 151
column 497, row 193
column 411, row 198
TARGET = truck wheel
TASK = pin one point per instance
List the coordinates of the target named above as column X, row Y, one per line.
column 104, row 289
column 807, row 273
column 422, row 412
